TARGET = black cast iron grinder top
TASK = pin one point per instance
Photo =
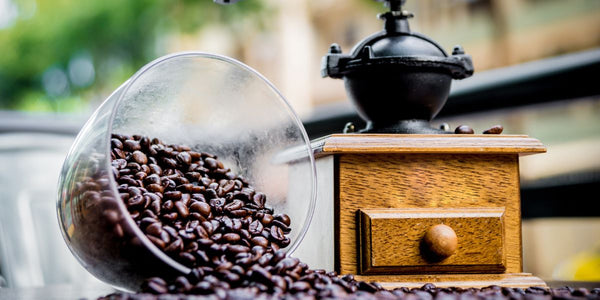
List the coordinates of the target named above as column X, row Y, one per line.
column 398, row 80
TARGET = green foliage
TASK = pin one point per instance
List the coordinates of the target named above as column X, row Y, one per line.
column 119, row 36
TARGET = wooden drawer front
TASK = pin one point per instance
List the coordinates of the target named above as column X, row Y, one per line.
column 392, row 240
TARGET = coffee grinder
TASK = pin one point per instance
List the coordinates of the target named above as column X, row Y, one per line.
column 400, row 202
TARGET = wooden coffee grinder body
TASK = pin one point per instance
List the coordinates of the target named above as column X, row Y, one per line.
column 405, row 210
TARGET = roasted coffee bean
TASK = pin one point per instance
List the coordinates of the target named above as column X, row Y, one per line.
column 231, row 237
column 234, row 205
column 267, row 219
column 201, row 207
column 277, row 234
column 176, row 245
column 131, row 145
column 210, row 163
column 240, row 213
column 259, row 200
column 283, row 218
column 184, row 158
column 135, row 201
column 260, row 241
column 170, row 217
column 255, row 227
column 300, row 286
column 237, row 249
column 116, row 143
column 181, row 209
column 464, row 129
column 190, row 226
column 154, row 229
column 174, row 195
column 111, row 215
column 156, row 241
column 155, row 285
column 236, row 225
column 280, row 224
column 156, row 188
column 496, row 129
column 140, row 157
column 187, row 236
column 368, row 287
column 210, row 194
column 155, row 169
column 185, row 187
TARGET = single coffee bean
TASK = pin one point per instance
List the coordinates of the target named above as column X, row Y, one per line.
column 464, row 129
column 140, row 157
column 259, row 199
column 280, row 224
column 131, row 145
column 155, row 188
column 255, row 227
column 236, row 225
column 231, row 237
column 267, row 219
column 234, row 205
column 260, row 241
column 176, row 245
column 277, row 234
column 184, row 158
column 155, row 169
column 210, row 163
column 156, row 241
column 300, row 286
column 285, row 219
column 155, row 285
column 154, row 229
column 135, row 201
column 496, row 129
column 201, row 207
column 175, row 195
column 237, row 249
column 181, row 209
column 111, row 215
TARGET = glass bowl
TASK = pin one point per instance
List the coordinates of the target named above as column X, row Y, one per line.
column 208, row 102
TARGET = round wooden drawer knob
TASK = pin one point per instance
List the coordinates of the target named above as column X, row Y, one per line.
column 440, row 241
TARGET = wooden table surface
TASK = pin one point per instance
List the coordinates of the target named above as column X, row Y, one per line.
column 71, row 292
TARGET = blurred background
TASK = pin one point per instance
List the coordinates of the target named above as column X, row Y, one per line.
column 537, row 68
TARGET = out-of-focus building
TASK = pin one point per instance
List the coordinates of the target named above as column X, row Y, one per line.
column 287, row 46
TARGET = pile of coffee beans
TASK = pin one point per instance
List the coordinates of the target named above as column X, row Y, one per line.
column 212, row 220
column 192, row 207
column 426, row 292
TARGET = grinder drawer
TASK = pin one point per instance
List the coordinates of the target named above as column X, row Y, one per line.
column 431, row 240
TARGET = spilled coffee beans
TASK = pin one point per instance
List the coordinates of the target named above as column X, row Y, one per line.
column 191, row 206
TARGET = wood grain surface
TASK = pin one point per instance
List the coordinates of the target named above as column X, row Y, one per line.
column 447, row 181
column 391, row 240
column 417, row 143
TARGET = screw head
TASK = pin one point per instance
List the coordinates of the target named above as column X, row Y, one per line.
column 335, row 49
column 458, row 49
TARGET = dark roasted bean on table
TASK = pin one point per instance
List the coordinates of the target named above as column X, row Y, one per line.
column 203, row 215
column 496, row 129
column 464, row 129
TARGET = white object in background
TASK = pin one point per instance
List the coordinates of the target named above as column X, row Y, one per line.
column 32, row 252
